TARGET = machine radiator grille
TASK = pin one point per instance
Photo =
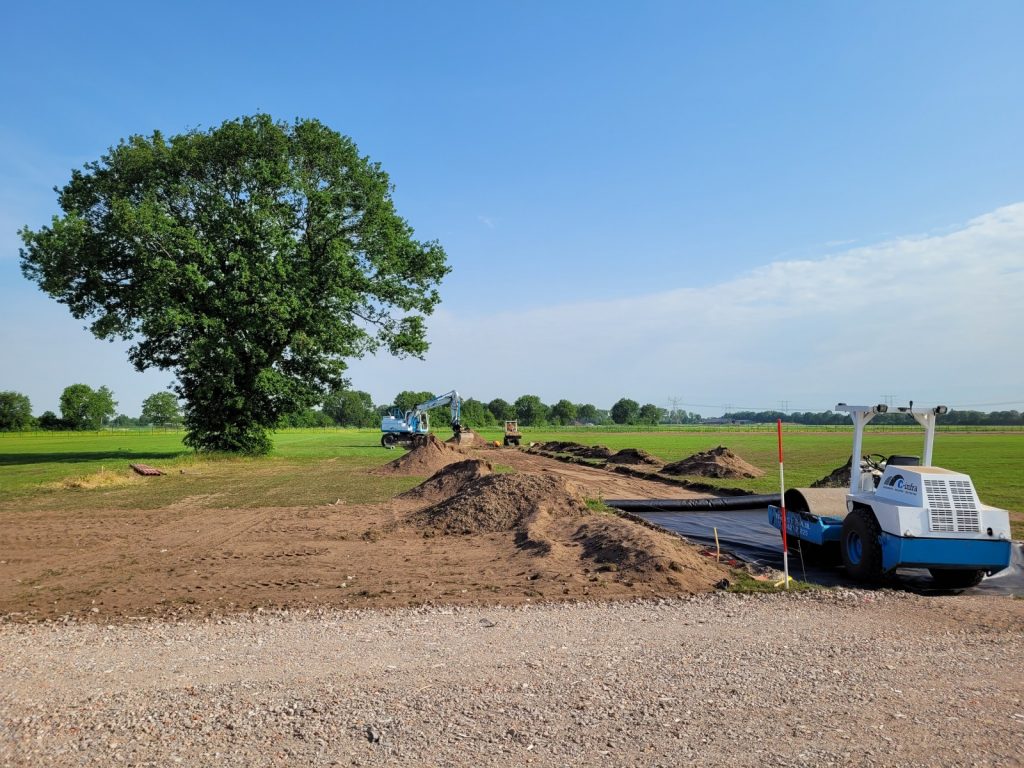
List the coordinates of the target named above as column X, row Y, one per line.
column 951, row 506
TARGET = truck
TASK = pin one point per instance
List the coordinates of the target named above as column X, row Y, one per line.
column 410, row 428
column 899, row 512
column 512, row 434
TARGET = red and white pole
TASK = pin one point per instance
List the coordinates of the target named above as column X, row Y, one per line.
column 782, row 508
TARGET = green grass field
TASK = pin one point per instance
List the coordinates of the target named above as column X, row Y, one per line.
column 314, row 466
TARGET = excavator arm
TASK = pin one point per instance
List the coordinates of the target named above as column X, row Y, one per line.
column 448, row 398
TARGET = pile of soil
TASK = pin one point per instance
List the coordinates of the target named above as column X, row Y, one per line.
column 450, row 480
column 634, row 456
column 560, row 446
column 502, row 503
column 645, row 554
column 718, row 462
column 593, row 452
column 427, row 459
column 576, row 449
column 838, row 478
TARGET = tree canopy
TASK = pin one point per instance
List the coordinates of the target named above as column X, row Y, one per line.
column 625, row 411
column 250, row 259
column 83, row 407
column 406, row 400
column 15, row 411
column 502, row 410
column 563, row 412
column 161, row 408
column 351, row 408
column 530, row 411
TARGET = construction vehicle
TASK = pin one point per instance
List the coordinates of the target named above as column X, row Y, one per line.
column 512, row 434
column 411, row 427
column 900, row 512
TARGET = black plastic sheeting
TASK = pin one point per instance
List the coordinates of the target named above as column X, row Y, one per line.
column 747, row 534
column 708, row 504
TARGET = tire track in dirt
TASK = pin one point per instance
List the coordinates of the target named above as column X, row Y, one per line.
column 595, row 482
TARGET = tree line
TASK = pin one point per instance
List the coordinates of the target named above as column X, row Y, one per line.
column 85, row 408
column 824, row 418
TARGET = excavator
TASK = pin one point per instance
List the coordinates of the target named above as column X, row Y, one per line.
column 411, row 427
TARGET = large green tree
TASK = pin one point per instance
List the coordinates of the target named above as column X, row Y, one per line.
column 15, row 411
column 501, row 409
column 530, row 411
column 563, row 412
column 351, row 408
column 406, row 400
column 83, row 407
column 475, row 414
column 650, row 414
column 161, row 408
column 250, row 259
column 625, row 411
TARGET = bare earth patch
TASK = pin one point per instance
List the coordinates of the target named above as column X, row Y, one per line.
column 463, row 536
column 718, row 462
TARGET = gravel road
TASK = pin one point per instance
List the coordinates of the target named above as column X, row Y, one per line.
column 841, row 677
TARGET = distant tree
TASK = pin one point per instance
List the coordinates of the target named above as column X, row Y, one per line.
column 104, row 406
column 251, row 259
column 306, row 418
column 563, row 412
column 587, row 413
column 530, row 411
column 50, row 420
column 351, row 408
column 650, row 414
column 161, row 408
column 123, row 420
column 501, row 410
column 475, row 414
column 15, row 411
column 407, row 400
column 82, row 407
column 625, row 411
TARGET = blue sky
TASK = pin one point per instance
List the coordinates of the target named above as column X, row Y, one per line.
column 628, row 194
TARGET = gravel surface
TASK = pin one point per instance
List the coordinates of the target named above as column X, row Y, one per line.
column 841, row 677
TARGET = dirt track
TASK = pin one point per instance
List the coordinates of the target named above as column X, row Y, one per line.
column 598, row 483
column 187, row 557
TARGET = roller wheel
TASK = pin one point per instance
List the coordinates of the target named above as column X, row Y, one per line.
column 956, row 578
column 860, row 545
column 388, row 440
column 508, row 441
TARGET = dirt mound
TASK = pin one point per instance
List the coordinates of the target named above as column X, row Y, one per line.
column 502, row 503
column 560, row 446
column 424, row 460
column 593, row 452
column 450, row 480
column 634, row 456
column 718, row 462
column 660, row 560
column 838, row 478
column 576, row 449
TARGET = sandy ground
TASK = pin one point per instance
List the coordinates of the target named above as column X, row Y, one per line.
column 187, row 557
column 836, row 678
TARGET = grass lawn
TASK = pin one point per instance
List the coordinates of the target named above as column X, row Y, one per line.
column 317, row 466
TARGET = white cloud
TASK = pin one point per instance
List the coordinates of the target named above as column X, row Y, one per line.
column 929, row 318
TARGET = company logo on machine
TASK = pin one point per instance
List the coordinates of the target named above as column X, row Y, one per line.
column 900, row 483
